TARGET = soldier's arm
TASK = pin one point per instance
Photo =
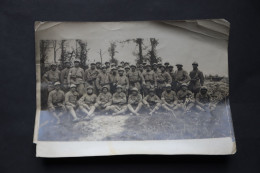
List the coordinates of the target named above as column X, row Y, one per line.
column 81, row 100
column 157, row 100
column 69, row 74
column 97, row 81
column 145, row 100
column 130, row 100
column 123, row 100
column 127, row 83
column 155, row 80
column 110, row 101
column 62, row 77
column 44, row 77
column 169, row 78
column 201, row 76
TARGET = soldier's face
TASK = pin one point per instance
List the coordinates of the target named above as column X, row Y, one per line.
column 168, row 89
column 148, row 68
column 76, row 64
column 67, row 65
column 121, row 72
column 90, row 91
column 105, row 90
column 134, row 93
column 127, row 69
column 73, row 89
column 194, row 66
column 171, row 69
column 184, row 88
column 151, row 93
column 154, row 67
column 203, row 91
column 104, row 70
column 133, row 68
column 162, row 69
column 107, row 64
column 57, row 87
column 93, row 67
column 179, row 67
column 114, row 72
column 98, row 65
column 53, row 67
column 119, row 90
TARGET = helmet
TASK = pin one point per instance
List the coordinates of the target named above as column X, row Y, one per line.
column 195, row 63
column 93, row 63
column 203, row 88
column 56, row 83
column 104, row 87
column 119, row 86
column 76, row 60
column 184, row 84
column 72, row 86
column 166, row 63
column 104, row 67
column 133, row 65
column 168, row 86
column 127, row 67
column 89, row 87
column 134, row 89
column 121, row 69
column 170, row 66
column 53, row 64
column 178, row 64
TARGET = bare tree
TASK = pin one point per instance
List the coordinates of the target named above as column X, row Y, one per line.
column 153, row 53
column 112, row 51
column 101, row 55
column 81, row 52
column 44, row 48
column 55, row 49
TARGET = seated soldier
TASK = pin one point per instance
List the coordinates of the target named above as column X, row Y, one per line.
column 118, row 102
column 104, row 99
column 169, row 100
column 56, row 101
column 87, row 101
column 185, row 97
column 152, row 101
column 203, row 100
column 135, row 101
column 71, row 98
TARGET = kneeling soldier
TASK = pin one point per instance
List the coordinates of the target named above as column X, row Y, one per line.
column 135, row 101
column 185, row 97
column 169, row 100
column 71, row 98
column 203, row 100
column 104, row 99
column 152, row 101
column 118, row 102
column 56, row 101
column 87, row 101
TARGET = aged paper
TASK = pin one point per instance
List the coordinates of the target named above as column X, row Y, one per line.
column 147, row 87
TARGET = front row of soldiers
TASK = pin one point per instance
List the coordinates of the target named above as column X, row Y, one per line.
column 120, row 103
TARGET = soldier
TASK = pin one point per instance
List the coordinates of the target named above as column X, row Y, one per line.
column 166, row 64
column 169, row 100
column 107, row 64
column 149, row 78
column 140, row 69
column 104, row 99
column 185, row 97
column 76, row 77
column 135, row 101
column 156, row 69
column 118, row 102
column 135, row 78
column 51, row 76
column 91, row 76
column 113, row 76
column 203, row 100
column 98, row 66
column 197, row 79
column 152, row 101
column 122, row 64
column 123, row 81
column 171, row 72
column 103, row 79
column 163, row 78
column 56, row 102
column 64, row 76
column 180, row 77
column 127, row 69
column 126, row 64
column 87, row 102
column 71, row 98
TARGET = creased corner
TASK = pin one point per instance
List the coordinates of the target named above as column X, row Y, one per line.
column 40, row 26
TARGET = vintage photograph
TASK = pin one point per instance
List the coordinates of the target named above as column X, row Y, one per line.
column 166, row 85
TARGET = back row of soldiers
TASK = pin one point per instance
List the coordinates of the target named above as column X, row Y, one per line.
column 123, row 87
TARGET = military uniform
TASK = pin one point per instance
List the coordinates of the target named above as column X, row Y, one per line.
column 76, row 76
column 197, row 80
column 104, row 100
column 118, row 103
column 103, row 80
column 49, row 78
column 124, row 82
column 170, row 101
column 71, row 102
column 135, row 79
column 163, row 78
column 150, row 80
column 64, row 78
column 180, row 76
column 153, row 101
column 203, row 102
column 56, row 100
column 186, row 99
column 90, row 78
column 87, row 103
column 113, row 82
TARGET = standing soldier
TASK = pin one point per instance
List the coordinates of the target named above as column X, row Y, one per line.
column 127, row 69
column 180, row 77
column 98, row 66
column 104, row 99
column 150, row 79
column 197, row 79
column 163, row 78
column 169, row 100
column 166, row 64
column 140, row 69
column 71, row 98
column 51, row 76
column 135, row 78
column 64, row 76
column 113, row 76
column 123, row 81
column 118, row 102
column 76, row 77
column 203, row 100
column 103, row 79
column 185, row 97
column 135, row 101
column 171, row 72
column 87, row 102
column 91, row 76
column 56, row 102
column 152, row 101
column 107, row 64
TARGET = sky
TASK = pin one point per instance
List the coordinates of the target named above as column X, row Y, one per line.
column 176, row 45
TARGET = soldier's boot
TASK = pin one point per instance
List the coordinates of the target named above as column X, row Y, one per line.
column 91, row 111
column 84, row 110
column 73, row 114
column 131, row 109
column 138, row 108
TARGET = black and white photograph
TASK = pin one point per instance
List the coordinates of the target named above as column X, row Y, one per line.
column 133, row 81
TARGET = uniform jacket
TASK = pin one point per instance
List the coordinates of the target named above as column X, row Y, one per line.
column 169, row 97
column 181, row 76
column 119, row 98
column 197, row 79
column 104, row 98
column 134, row 99
column 71, row 98
column 52, row 76
column 88, row 99
column 55, row 97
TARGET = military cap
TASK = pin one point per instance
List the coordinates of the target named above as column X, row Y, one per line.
column 134, row 89
column 67, row 61
column 56, row 83
column 127, row 67
column 132, row 65
column 89, row 87
column 113, row 64
column 72, row 86
column 203, row 88
column 98, row 62
column 154, row 64
column 113, row 68
column 76, row 60
column 122, row 62
column 126, row 62
column 151, row 90
column 104, row 67
column 121, row 69
column 147, row 65
column 166, row 63
column 159, row 63
column 170, row 66
column 168, row 86
column 162, row 66
column 93, row 63
column 184, row 84
column 107, row 62
column 195, row 63
column 104, row 87
column 179, row 64
column 53, row 64
column 119, row 86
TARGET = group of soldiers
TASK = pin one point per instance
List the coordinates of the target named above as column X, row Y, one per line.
column 123, row 87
